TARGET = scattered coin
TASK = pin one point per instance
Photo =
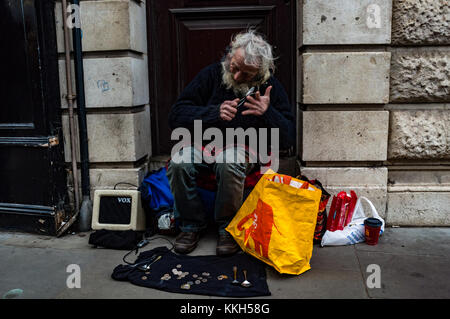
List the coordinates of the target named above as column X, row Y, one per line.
column 178, row 266
column 144, row 278
column 147, row 272
column 195, row 275
column 166, row 277
column 190, row 283
column 185, row 286
column 204, row 280
column 197, row 282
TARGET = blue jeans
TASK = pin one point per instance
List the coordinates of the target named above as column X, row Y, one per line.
column 230, row 175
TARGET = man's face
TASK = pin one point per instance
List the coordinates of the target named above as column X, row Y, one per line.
column 241, row 72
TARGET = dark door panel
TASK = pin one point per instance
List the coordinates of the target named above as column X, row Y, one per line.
column 212, row 28
column 25, row 180
column 185, row 36
column 20, row 89
column 33, row 187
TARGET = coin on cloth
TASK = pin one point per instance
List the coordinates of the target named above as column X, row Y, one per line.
column 166, row 277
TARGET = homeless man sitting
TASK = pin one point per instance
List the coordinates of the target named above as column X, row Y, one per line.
column 213, row 97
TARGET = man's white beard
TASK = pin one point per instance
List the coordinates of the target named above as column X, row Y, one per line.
column 239, row 89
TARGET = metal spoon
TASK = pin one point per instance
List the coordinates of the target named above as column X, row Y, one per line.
column 235, row 281
column 245, row 283
column 146, row 266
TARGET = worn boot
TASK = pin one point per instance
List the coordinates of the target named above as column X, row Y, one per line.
column 226, row 245
column 186, row 242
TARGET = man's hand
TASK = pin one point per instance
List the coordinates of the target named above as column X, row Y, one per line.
column 258, row 105
column 228, row 110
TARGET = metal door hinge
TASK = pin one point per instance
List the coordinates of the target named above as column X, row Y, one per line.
column 53, row 141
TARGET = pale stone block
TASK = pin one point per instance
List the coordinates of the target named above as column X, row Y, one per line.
column 110, row 82
column 348, row 176
column 345, row 135
column 419, row 177
column 114, row 137
column 420, row 76
column 107, row 26
column 419, row 135
column 346, row 22
column 107, row 178
column 346, row 77
column 421, row 22
column 419, row 208
column 368, row 182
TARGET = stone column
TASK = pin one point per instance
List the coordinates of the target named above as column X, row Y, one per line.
column 345, row 88
column 117, row 92
column 419, row 134
column 374, row 93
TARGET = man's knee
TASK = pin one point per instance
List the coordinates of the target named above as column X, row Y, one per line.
column 230, row 169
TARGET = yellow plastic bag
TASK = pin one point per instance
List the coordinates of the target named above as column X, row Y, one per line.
column 276, row 222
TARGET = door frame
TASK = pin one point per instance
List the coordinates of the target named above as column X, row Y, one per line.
column 295, row 80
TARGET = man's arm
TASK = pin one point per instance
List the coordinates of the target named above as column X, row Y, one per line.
column 192, row 103
column 274, row 107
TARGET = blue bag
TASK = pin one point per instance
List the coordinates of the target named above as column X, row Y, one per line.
column 155, row 190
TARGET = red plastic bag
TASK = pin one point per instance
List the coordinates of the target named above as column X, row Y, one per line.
column 341, row 210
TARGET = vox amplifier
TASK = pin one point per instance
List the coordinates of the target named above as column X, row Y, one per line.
column 118, row 210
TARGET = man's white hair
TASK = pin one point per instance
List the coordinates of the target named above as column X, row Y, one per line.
column 257, row 52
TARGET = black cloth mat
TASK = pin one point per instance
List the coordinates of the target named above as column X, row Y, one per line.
column 115, row 239
column 200, row 266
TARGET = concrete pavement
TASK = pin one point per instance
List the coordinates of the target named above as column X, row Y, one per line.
column 413, row 263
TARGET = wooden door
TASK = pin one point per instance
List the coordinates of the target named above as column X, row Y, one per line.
column 186, row 35
column 33, row 189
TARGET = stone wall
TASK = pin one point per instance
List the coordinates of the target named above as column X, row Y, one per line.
column 373, row 99
column 375, row 83
column 117, row 91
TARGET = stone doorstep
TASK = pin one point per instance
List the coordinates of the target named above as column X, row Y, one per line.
column 287, row 165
